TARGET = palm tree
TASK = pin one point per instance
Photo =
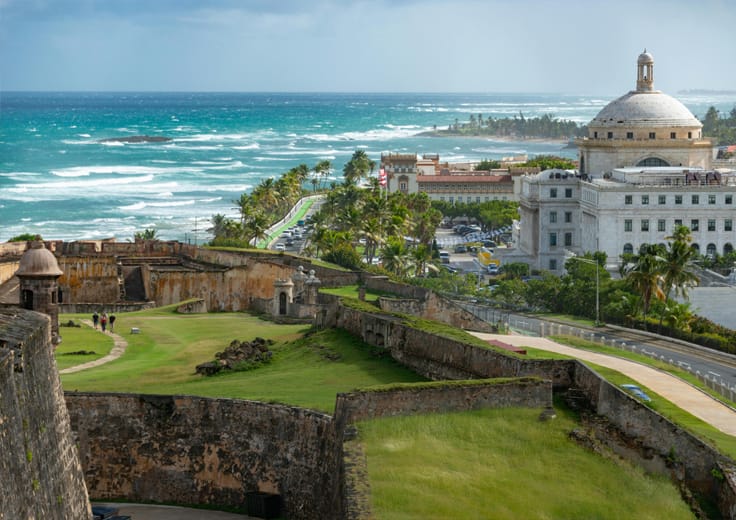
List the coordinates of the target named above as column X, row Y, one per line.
column 677, row 271
column 245, row 206
column 219, row 223
column 396, row 258
column 147, row 234
column 645, row 275
column 357, row 167
column 322, row 169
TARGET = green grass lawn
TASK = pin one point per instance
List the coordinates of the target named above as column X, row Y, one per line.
column 76, row 339
column 306, row 372
column 503, row 464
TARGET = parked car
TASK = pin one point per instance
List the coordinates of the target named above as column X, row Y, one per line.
column 460, row 248
column 489, row 243
column 280, row 247
column 444, row 257
column 492, row 269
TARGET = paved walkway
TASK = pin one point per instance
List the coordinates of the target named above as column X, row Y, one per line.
column 118, row 350
column 671, row 388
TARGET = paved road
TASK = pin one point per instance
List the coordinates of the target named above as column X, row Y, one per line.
column 671, row 388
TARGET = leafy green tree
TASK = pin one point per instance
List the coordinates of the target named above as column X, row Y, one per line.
column 548, row 162
column 25, row 237
column 487, row 164
column 516, row 269
column 147, row 234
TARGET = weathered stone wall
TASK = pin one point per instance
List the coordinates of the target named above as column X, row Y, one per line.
column 89, row 279
column 439, row 358
column 110, row 308
column 455, row 396
column 40, row 474
column 7, row 270
column 190, row 450
column 648, row 439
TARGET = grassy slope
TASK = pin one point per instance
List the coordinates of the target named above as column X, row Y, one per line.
column 460, row 466
column 162, row 360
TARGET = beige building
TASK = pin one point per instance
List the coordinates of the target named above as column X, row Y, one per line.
column 447, row 182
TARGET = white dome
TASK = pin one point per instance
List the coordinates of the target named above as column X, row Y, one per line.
column 645, row 109
column 645, row 57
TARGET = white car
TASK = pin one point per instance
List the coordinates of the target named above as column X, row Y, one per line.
column 280, row 247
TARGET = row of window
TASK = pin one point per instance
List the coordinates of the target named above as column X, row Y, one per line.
column 652, row 135
column 694, row 224
column 567, row 239
column 710, row 249
column 452, row 200
column 553, row 217
column 553, row 193
column 694, row 199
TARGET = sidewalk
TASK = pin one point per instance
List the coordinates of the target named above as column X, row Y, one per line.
column 118, row 350
column 671, row 388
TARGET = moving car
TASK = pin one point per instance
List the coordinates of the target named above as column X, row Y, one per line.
column 637, row 392
column 444, row 257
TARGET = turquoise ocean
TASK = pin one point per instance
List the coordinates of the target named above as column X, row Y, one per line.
column 59, row 180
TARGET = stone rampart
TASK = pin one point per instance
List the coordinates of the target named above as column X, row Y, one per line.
column 191, row 450
column 89, row 278
column 442, row 397
column 648, row 439
column 7, row 270
column 438, row 358
column 40, row 474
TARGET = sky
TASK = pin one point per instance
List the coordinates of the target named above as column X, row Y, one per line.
column 557, row 46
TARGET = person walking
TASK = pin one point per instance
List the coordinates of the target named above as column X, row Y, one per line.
column 112, row 323
column 95, row 319
column 103, row 321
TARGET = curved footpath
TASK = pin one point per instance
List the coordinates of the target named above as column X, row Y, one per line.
column 118, row 350
column 673, row 389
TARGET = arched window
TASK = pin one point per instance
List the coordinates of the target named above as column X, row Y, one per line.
column 628, row 249
column 710, row 250
column 696, row 248
column 728, row 248
column 282, row 303
column 652, row 161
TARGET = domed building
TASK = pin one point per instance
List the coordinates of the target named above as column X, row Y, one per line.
column 644, row 127
column 645, row 169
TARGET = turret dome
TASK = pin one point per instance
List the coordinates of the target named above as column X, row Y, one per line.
column 38, row 261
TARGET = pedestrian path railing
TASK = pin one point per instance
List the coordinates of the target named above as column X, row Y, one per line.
column 540, row 327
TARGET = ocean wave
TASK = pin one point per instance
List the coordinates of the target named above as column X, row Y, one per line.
column 133, row 207
column 77, row 141
column 253, row 146
column 86, row 171
column 84, row 135
column 112, row 143
column 165, row 194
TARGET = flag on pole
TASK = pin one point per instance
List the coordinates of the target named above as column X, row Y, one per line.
column 382, row 177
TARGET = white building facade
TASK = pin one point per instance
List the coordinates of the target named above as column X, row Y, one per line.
column 644, row 169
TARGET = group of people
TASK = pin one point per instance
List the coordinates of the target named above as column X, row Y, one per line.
column 103, row 320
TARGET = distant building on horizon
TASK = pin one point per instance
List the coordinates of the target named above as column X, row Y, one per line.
column 453, row 183
column 644, row 169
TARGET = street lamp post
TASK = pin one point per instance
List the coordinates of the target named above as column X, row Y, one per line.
column 597, row 285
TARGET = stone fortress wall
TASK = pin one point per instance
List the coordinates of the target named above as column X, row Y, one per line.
column 40, row 474
column 195, row 450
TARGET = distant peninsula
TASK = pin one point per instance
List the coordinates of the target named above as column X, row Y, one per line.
column 517, row 127
column 137, row 139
